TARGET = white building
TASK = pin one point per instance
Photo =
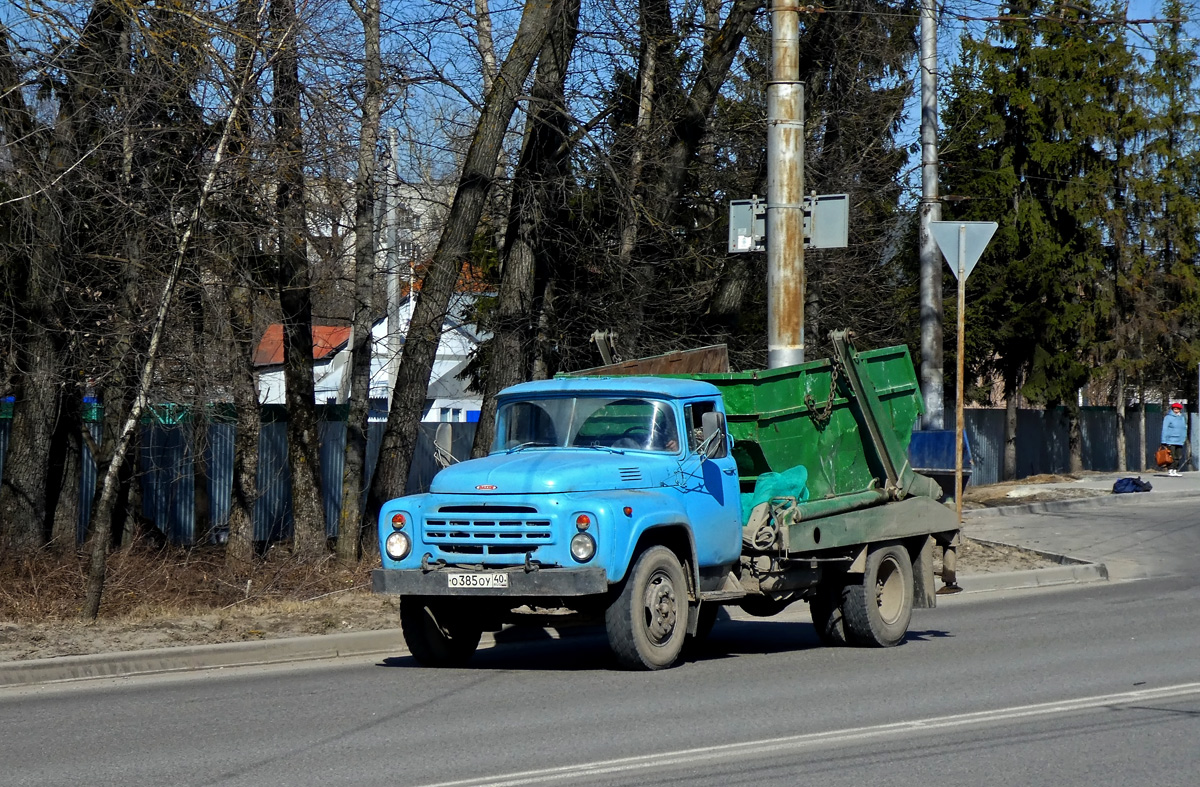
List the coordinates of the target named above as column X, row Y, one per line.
column 448, row 398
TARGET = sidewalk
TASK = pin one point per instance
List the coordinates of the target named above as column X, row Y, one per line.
column 1128, row 548
column 989, row 524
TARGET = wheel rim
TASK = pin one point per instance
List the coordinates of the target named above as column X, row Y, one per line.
column 659, row 608
column 889, row 590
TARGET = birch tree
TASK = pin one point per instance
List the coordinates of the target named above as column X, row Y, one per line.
column 101, row 525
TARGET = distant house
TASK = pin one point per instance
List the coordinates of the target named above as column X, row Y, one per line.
column 448, row 398
column 328, row 342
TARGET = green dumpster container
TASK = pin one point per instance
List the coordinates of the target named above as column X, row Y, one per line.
column 810, row 415
column 848, row 420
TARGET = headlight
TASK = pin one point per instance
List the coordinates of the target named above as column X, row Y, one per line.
column 397, row 545
column 583, row 547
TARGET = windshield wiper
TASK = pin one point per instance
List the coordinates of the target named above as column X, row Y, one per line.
column 599, row 447
column 518, row 447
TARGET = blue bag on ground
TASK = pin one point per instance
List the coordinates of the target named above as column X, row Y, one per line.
column 1125, row 485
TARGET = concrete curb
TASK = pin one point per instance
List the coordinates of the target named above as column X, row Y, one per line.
column 1069, row 574
column 390, row 642
column 201, row 657
column 1055, row 506
column 194, row 658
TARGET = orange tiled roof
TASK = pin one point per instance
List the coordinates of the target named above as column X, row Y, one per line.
column 326, row 340
column 470, row 280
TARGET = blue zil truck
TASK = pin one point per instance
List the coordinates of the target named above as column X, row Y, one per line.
column 646, row 502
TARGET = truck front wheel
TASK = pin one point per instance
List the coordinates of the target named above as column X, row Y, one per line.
column 647, row 623
column 877, row 612
column 437, row 635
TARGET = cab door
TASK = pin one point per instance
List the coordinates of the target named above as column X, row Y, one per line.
column 709, row 483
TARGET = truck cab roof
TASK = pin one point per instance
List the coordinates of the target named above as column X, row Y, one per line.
column 667, row 387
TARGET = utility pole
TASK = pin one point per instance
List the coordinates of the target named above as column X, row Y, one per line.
column 785, row 190
column 932, row 385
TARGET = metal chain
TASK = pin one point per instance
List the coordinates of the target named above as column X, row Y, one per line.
column 821, row 417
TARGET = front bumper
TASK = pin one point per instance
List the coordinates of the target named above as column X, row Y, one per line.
column 542, row 582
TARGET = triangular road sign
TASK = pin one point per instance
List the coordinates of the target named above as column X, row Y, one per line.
column 974, row 236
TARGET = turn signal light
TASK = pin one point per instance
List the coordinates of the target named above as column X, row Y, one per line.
column 398, row 521
column 583, row 521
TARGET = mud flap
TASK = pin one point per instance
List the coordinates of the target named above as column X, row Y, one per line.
column 924, row 592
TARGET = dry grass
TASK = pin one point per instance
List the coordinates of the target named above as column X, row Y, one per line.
column 157, row 598
column 145, row 583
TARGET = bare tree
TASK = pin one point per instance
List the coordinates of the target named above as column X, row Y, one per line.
column 437, row 287
column 101, row 524
column 237, row 275
column 685, row 131
column 487, row 47
column 537, row 186
column 351, row 522
column 40, row 158
column 304, row 454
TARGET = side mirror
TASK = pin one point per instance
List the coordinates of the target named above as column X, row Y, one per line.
column 442, row 439
column 712, row 424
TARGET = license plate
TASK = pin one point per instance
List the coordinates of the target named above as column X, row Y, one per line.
column 477, row 580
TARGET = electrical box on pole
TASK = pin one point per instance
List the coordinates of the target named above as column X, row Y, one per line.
column 826, row 223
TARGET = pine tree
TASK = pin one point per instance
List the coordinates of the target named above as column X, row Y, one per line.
column 1172, row 231
column 1031, row 125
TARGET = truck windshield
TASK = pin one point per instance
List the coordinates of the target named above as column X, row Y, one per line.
column 601, row 422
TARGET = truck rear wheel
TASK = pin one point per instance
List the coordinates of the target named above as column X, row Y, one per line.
column 877, row 612
column 437, row 634
column 826, row 611
column 647, row 623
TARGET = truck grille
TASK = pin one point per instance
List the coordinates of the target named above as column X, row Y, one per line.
column 487, row 531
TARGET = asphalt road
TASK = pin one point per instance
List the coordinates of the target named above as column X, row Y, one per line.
column 1094, row 684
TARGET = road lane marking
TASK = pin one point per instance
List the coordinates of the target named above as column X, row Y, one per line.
column 793, row 743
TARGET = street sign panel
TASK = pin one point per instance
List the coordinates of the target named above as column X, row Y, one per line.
column 747, row 225
column 962, row 242
column 826, row 223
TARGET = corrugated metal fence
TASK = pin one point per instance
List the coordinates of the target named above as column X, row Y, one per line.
column 5, row 428
column 186, row 467
column 186, row 473
column 1042, row 440
column 170, row 476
